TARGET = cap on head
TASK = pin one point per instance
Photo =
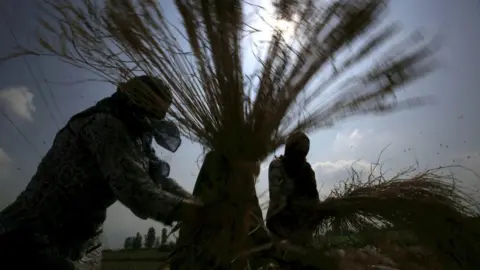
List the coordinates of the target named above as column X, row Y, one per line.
column 148, row 93
column 297, row 142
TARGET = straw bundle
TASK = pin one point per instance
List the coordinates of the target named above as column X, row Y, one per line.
column 427, row 207
column 243, row 118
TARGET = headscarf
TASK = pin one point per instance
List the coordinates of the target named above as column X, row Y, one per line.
column 297, row 168
column 296, row 151
column 149, row 94
column 294, row 161
column 165, row 132
column 137, row 120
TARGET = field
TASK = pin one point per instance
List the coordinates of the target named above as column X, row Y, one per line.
column 148, row 259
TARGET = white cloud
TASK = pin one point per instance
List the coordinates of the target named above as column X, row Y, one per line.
column 18, row 100
column 350, row 139
column 334, row 166
column 330, row 173
column 361, row 144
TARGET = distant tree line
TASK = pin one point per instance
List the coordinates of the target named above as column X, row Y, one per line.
column 149, row 241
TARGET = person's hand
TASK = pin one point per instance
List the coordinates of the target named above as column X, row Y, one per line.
column 188, row 211
column 194, row 211
column 211, row 214
column 218, row 213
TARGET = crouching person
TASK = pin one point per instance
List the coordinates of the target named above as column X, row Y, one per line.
column 293, row 189
column 102, row 155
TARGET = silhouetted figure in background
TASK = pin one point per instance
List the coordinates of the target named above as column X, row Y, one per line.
column 292, row 186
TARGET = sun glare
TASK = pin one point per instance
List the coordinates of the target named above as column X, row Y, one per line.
column 263, row 22
column 266, row 22
column 286, row 27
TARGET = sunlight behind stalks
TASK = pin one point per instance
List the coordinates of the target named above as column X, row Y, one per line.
column 116, row 43
column 267, row 22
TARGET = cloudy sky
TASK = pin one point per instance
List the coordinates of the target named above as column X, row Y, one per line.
column 35, row 105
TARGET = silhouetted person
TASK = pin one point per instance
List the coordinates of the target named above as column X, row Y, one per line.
column 292, row 186
column 102, row 155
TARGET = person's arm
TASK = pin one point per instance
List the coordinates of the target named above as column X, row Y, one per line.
column 118, row 159
column 280, row 187
column 159, row 171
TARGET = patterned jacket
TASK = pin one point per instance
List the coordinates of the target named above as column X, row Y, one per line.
column 284, row 191
column 280, row 187
column 93, row 162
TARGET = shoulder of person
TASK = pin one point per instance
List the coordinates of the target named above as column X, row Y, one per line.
column 105, row 121
column 276, row 163
column 101, row 117
column 308, row 165
column 93, row 118
column 99, row 125
column 309, row 168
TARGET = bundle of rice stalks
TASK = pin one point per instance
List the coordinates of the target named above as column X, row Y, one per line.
column 242, row 118
column 428, row 207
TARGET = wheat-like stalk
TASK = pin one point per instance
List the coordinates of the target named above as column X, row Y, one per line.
column 428, row 205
